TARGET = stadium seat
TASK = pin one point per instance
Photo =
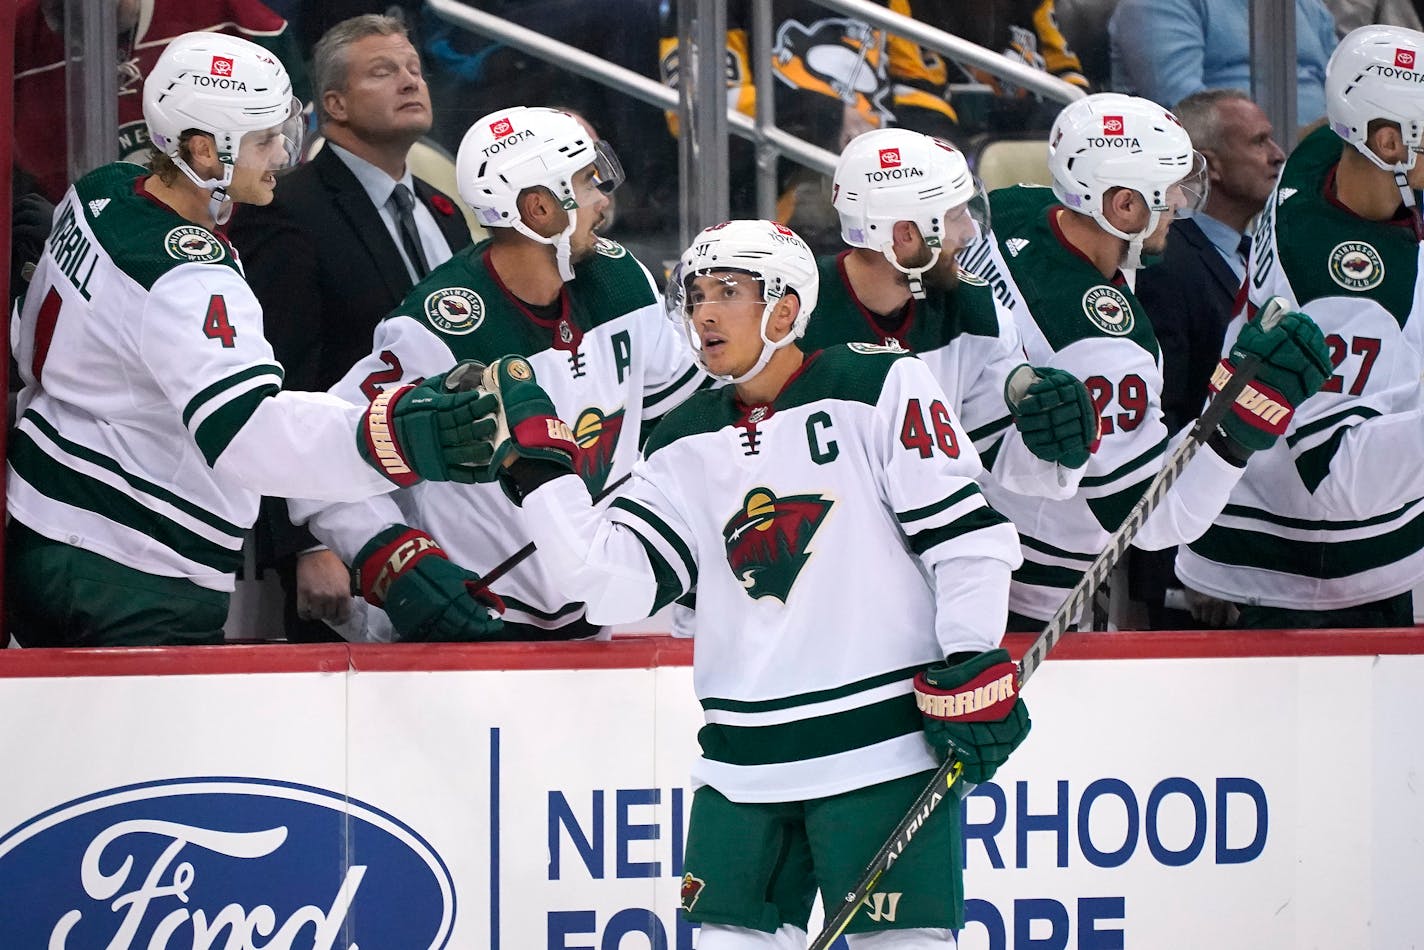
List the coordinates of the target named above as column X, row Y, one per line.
column 1000, row 161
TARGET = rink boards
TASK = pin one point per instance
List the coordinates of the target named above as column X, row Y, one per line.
column 1177, row 790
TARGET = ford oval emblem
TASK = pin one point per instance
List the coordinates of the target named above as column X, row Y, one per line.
column 217, row 863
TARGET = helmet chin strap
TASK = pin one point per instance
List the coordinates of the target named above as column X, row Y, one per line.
column 563, row 248
column 1401, row 170
column 915, row 274
column 1133, row 259
column 219, row 204
column 768, row 348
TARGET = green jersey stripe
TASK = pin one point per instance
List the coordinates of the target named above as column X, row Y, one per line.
column 519, row 605
column 1097, row 481
column 1321, row 559
column 1047, row 575
column 67, row 486
column 657, row 397
column 806, row 699
column 934, row 509
column 1310, row 524
column 1042, row 547
column 1325, row 422
column 977, row 520
column 222, row 425
column 667, row 534
column 811, row 738
column 143, row 485
column 236, row 379
column 992, row 428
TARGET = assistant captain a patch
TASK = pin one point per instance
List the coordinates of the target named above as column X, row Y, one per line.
column 455, row 310
column 1109, row 310
column 1356, row 266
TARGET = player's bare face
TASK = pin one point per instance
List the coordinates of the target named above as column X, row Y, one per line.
column 259, row 157
column 726, row 309
column 386, row 98
column 592, row 206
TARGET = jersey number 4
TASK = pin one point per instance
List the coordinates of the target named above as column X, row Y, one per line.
column 216, row 325
column 914, row 434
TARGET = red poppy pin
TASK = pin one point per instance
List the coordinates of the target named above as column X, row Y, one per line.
column 442, row 204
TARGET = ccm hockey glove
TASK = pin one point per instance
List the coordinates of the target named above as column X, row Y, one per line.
column 532, row 445
column 1295, row 363
column 428, row 431
column 1054, row 413
column 971, row 707
column 427, row 597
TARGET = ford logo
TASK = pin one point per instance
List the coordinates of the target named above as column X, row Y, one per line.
column 221, row 863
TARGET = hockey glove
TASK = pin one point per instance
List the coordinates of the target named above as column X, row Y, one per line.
column 1295, row 363
column 1054, row 413
column 971, row 707
column 531, row 443
column 426, row 431
column 427, row 597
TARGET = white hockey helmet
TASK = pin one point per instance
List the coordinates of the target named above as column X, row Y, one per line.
column 885, row 176
column 510, row 150
column 1377, row 72
column 1109, row 140
column 772, row 253
column 224, row 86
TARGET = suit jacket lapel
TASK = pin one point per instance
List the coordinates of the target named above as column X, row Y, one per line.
column 1218, row 267
column 452, row 225
column 355, row 205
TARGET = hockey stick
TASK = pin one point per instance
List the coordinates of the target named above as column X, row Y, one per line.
column 944, row 779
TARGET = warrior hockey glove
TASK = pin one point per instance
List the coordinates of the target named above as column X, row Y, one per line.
column 971, row 707
column 427, row 597
column 531, row 443
column 425, row 431
column 1054, row 413
column 1295, row 363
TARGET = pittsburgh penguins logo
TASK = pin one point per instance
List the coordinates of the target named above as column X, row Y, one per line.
column 597, row 436
column 192, row 243
column 1109, row 310
column 768, row 540
column 455, row 310
column 1356, row 266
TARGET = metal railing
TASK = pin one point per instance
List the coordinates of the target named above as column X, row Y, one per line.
column 702, row 144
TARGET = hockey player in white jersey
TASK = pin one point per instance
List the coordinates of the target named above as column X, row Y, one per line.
column 151, row 418
column 1326, row 528
column 908, row 205
column 1122, row 168
column 845, row 569
column 581, row 309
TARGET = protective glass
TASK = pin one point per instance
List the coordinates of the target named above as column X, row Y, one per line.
column 967, row 223
column 275, row 148
column 1189, row 194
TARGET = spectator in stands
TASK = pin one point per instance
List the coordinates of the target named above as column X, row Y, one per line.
column 1165, row 50
column 1352, row 14
column 345, row 238
column 1023, row 30
column 1324, row 527
column 582, row 309
column 1189, row 295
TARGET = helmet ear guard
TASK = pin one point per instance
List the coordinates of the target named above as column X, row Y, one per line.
column 772, row 253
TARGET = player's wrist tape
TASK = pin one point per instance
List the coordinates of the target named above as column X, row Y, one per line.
column 378, row 434
column 387, row 556
column 1258, row 405
column 988, row 697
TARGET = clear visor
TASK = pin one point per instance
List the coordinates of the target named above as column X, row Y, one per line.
column 1189, row 194
column 686, row 293
column 275, row 148
column 967, row 223
column 600, row 177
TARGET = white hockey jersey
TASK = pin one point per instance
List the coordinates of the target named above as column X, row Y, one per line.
column 838, row 544
column 1070, row 317
column 150, row 420
column 611, row 362
column 1332, row 516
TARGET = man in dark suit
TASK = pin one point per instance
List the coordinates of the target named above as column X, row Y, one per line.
column 1190, row 294
column 346, row 237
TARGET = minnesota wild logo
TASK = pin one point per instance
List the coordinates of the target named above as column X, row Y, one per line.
column 597, row 436
column 767, row 540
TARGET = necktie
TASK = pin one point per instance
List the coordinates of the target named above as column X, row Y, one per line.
column 402, row 201
column 1244, row 247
